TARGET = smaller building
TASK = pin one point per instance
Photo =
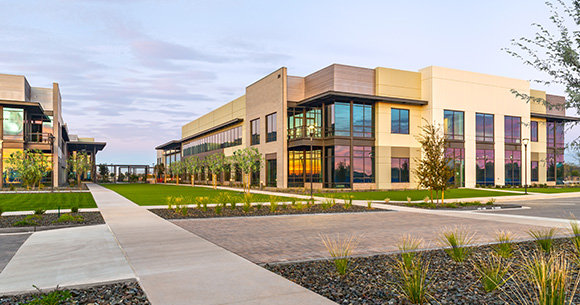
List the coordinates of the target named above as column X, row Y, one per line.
column 32, row 119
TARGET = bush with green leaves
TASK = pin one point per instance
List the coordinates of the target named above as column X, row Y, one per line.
column 39, row 211
column 74, row 209
column 503, row 246
column 55, row 297
column 29, row 221
column 223, row 198
column 31, row 166
column 299, row 206
column 70, row 218
column 218, row 209
column 347, row 201
column 413, row 281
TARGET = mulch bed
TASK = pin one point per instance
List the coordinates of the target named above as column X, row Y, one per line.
column 127, row 293
column 263, row 211
column 373, row 279
column 50, row 219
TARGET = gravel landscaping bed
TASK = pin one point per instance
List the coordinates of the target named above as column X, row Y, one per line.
column 263, row 211
column 457, row 206
column 50, row 219
column 373, row 279
column 127, row 293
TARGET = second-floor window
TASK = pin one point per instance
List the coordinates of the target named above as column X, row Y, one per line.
column 513, row 130
column 534, row 131
column 399, row 121
column 453, row 124
column 255, row 131
column 484, row 127
column 271, row 134
column 555, row 134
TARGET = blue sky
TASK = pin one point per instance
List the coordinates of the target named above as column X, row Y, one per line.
column 133, row 72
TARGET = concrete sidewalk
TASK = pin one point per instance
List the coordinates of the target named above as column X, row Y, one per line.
column 176, row 267
column 65, row 257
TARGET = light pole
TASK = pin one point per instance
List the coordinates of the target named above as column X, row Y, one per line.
column 311, row 133
column 51, row 139
column 525, row 142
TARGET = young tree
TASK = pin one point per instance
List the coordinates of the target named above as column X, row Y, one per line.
column 31, row 165
column 433, row 171
column 79, row 163
column 192, row 166
column 104, row 172
column 159, row 169
column 555, row 51
column 216, row 164
column 249, row 160
column 177, row 168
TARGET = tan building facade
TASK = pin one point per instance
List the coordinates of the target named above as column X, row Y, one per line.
column 353, row 127
column 32, row 119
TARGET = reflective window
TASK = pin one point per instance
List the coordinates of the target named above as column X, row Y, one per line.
column 362, row 116
column 484, row 127
column 399, row 170
column 513, row 165
column 271, row 173
column 227, row 138
column 534, row 131
column 453, row 124
column 535, row 171
column 271, row 134
column 512, row 129
column 456, row 158
column 484, row 170
column 255, row 131
column 399, row 121
column 13, row 124
column 555, row 166
column 363, row 164
column 342, row 119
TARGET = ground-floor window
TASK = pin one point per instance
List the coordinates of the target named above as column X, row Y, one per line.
column 484, row 169
column 271, row 173
column 338, row 166
column 255, row 177
column 399, row 170
column 363, row 164
column 456, row 158
column 535, row 171
column 513, row 163
column 555, row 167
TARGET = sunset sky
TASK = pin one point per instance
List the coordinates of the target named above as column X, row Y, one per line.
column 133, row 72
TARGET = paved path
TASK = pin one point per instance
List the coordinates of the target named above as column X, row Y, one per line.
column 553, row 208
column 9, row 244
column 65, row 257
column 176, row 267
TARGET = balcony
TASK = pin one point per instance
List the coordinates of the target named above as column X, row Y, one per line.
column 39, row 138
column 301, row 132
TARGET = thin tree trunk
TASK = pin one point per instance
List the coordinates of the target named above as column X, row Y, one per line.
column 79, row 180
column 192, row 180
column 431, row 191
column 177, row 179
column 442, row 197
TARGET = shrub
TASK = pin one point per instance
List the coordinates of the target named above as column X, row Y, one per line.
column 203, row 202
column 170, row 200
column 223, row 198
column 12, row 187
column 408, row 199
column 233, row 201
column 246, row 207
column 347, row 201
column 74, row 209
column 491, row 201
column 299, row 206
column 181, row 209
column 259, row 206
column 54, row 297
column 492, row 271
column 456, row 240
column 326, row 204
column 30, row 220
column 340, row 249
column 544, row 237
column 413, row 282
column 248, row 198
column 369, row 204
column 387, row 200
column 39, row 211
column 407, row 245
column 504, row 247
column 70, row 218
column 1, row 211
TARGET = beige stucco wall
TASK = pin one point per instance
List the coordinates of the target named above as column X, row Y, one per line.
column 397, row 83
column 449, row 89
column 538, row 107
column 264, row 97
column 232, row 110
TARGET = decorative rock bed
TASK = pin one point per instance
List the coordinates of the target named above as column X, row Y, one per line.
column 457, row 206
column 50, row 220
column 127, row 293
column 372, row 279
column 263, row 211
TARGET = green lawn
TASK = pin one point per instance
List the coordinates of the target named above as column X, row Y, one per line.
column 418, row 194
column 548, row 190
column 156, row 194
column 46, row 201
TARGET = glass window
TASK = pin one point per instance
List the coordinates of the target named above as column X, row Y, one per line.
column 456, row 157
column 512, row 129
column 363, row 164
column 255, row 131
column 513, row 163
column 342, row 119
column 271, row 173
column 399, row 121
column 362, row 120
column 13, row 124
column 271, row 134
column 339, row 165
column 227, row 138
column 484, row 127
column 484, row 169
column 535, row 171
column 399, row 170
column 534, row 131
column 453, row 124
column 559, row 136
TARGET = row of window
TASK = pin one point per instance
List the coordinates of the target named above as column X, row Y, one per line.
column 271, row 134
column 227, row 138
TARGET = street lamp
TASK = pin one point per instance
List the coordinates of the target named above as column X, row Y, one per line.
column 51, row 138
column 525, row 142
column 311, row 133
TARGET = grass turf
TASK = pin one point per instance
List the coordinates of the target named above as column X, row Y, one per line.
column 417, row 194
column 548, row 190
column 46, row 201
column 156, row 194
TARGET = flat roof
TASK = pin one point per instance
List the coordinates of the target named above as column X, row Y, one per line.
column 88, row 146
column 359, row 96
column 555, row 117
column 175, row 144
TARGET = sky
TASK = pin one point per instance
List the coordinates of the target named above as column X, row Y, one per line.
column 132, row 72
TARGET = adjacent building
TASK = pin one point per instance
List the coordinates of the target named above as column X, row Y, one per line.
column 353, row 127
column 32, row 119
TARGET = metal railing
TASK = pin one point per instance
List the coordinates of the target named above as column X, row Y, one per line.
column 39, row 137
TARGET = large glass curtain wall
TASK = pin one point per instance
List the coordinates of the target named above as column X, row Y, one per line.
column 301, row 165
column 484, row 170
column 299, row 119
column 338, row 120
column 513, row 166
column 227, row 138
column 456, row 158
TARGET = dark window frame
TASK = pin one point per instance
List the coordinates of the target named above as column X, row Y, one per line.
column 453, row 135
column 401, row 177
column 255, row 131
column 534, row 131
column 271, row 127
column 396, row 121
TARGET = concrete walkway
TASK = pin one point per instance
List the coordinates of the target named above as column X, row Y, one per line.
column 176, row 267
column 65, row 257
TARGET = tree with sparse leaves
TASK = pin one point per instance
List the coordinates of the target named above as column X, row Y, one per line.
column 193, row 166
column 216, row 163
column 177, row 168
column 249, row 160
column 79, row 163
column 556, row 52
column 31, row 166
column 432, row 170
